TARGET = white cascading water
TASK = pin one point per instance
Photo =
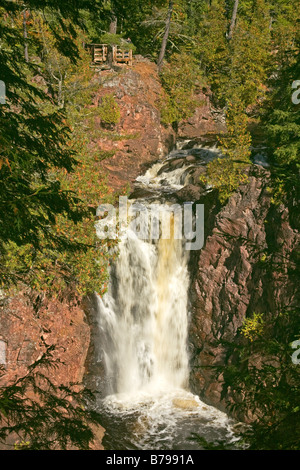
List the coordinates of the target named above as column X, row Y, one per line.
column 143, row 324
column 144, row 317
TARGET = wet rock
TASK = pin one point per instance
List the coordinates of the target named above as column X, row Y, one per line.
column 190, row 159
column 190, row 193
column 199, row 141
column 177, row 163
column 196, row 173
column 141, row 193
column 164, row 169
column 172, row 165
column 185, row 404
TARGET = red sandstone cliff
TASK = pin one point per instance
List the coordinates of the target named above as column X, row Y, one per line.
column 138, row 91
column 229, row 282
column 142, row 139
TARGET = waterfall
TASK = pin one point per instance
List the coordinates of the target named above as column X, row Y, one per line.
column 143, row 323
column 143, row 317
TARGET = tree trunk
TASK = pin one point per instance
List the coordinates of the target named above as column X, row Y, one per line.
column 110, row 55
column 25, row 35
column 233, row 19
column 113, row 25
column 60, row 95
column 112, row 30
column 166, row 36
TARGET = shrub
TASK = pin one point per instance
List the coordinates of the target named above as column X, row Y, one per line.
column 109, row 111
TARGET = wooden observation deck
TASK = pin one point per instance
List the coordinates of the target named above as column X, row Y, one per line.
column 120, row 56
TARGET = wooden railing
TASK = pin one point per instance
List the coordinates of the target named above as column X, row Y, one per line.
column 119, row 55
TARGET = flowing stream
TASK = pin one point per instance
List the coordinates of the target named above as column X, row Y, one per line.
column 143, row 327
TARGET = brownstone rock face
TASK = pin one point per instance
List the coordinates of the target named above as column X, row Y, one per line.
column 229, row 282
column 141, row 137
column 25, row 332
column 205, row 120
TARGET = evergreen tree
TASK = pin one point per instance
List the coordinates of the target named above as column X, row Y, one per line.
column 36, row 414
column 281, row 121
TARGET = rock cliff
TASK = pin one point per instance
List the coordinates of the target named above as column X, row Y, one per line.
column 30, row 324
column 139, row 138
column 230, row 281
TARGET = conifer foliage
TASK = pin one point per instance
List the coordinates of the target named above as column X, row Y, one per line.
column 37, row 414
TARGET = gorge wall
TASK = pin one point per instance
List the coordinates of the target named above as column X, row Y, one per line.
column 230, row 281
column 28, row 321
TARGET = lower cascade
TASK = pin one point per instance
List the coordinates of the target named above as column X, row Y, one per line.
column 143, row 329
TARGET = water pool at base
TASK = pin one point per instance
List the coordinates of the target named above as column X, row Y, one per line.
column 164, row 421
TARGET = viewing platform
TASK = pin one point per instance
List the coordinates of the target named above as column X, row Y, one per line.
column 100, row 55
